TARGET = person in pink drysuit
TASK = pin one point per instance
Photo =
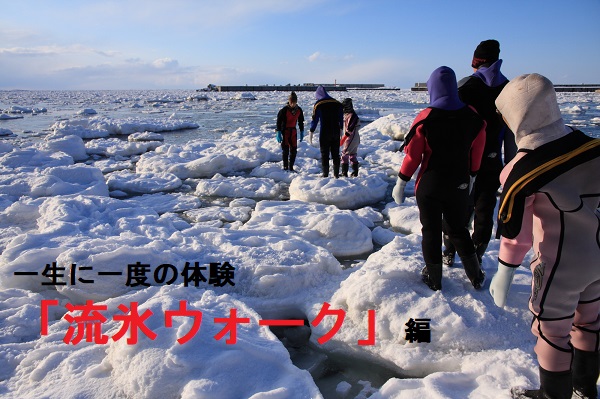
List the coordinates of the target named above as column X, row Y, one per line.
column 549, row 202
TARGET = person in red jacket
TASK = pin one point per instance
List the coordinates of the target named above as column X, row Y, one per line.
column 446, row 140
column 287, row 119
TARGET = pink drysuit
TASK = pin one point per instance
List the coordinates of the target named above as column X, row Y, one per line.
column 550, row 200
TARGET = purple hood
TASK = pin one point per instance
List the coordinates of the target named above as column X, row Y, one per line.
column 491, row 75
column 443, row 89
column 321, row 93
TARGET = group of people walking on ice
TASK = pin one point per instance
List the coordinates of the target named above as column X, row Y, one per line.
column 550, row 203
column 339, row 128
column 475, row 136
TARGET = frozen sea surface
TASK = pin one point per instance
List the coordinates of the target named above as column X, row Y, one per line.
column 115, row 188
column 217, row 113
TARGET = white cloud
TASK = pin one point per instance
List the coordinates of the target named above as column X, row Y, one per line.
column 314, row 56
column 165, row 63
column 318, row 56
column 55, row 50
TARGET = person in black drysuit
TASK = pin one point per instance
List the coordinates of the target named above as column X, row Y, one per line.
column 446, row 140
column 330, row 113
column 480, row 90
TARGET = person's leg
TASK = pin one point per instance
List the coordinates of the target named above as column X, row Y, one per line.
column 554, row 356
column 285, row 155
column 449, row 249
column 335, row 157
column 585, row 338
column 324, row 158
column 485, row 190
column 455, row 212
column 345, row 164
column 293, row 152
column 553, row 302
column 430, row 215
column 354, row 162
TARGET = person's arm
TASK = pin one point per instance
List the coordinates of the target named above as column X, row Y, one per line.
column 316, row 116
column 352, row 123
column 301, row 120
column 511, row 254
column 414, row 154
column 280, row 125
column 281, row 119
column 477, row 148
column 513, row 251
column 510, row 145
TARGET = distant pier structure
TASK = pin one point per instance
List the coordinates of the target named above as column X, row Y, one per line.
column 419, row 87
column 578, row 87
column 561, row 87
column 302, row 87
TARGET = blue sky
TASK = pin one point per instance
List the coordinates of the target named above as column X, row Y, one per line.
column 148, row 44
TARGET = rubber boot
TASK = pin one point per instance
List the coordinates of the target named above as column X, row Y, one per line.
column 355, row 169
column 325, row 166
column 449, row 252
column 553, row 385
column 336, row 169
column 345, row 169
column 586, row 370
column 285, row 162
column 473, row 270
column 432, row 275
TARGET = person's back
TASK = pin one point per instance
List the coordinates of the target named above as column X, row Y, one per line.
column 549, row 204
column 480, row 90
column 565, row 198
column 327, row 111
column 450, row 135
column 476, row 93
column 446, row 140
column 330, row 127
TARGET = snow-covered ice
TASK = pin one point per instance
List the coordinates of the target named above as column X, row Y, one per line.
column 115, row 227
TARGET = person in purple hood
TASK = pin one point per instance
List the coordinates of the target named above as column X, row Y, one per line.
column 446, row 139
column 480, row 91
column 330, row 113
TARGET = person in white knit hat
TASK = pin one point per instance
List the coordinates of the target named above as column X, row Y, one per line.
column 550, row 199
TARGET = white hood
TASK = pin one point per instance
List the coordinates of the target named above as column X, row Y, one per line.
column 529, row 107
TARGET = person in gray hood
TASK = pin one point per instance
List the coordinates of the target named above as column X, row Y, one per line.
column 549, row 202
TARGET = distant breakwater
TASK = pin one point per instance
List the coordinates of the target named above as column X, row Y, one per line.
column 304, row 87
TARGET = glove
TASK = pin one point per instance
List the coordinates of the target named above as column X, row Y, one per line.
column 301, row 135
column 471, row 183
column 310, row 134
column 501, row 283
column 279, row 137
column 398, row 191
